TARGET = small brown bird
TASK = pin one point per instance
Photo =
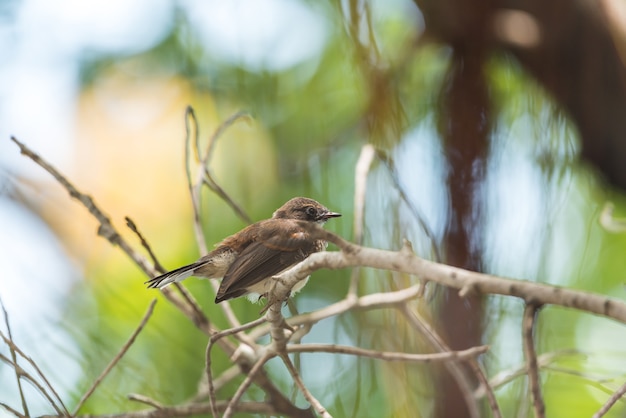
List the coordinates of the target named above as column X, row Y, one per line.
column 248, row 259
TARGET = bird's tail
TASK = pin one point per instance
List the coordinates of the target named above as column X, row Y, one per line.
column 177, row 275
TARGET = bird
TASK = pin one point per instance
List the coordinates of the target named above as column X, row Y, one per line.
column 248, row 259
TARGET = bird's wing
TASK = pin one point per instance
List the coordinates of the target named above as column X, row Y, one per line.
column 278, row 245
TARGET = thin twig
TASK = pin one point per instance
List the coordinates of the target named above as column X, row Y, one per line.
column 528, row 326
column 190, row 115
column 35, row 383
column 393, row 173
column 195, row 189
column 117, row 358
column 220, row 131
column 108, row 231
column 507, row 376
column 191, row 128
column 258, row 366
column 133, row 227
column 106, row 228
column 191, row 301
column 13, row 411
column 616, row 396
column 319, row 408
column 209, row 375
column 387, row 355
column 360, row 189
column 366, row 302
column 145, row 400
column 487, row 389
column 212, row 341
column 465, row 386
column 240, row 329
column 193, row 409
column 14, row 358
column 226, row 377
column 31, row 379
column 210, row 181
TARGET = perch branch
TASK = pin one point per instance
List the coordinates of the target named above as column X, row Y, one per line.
column 454, row 277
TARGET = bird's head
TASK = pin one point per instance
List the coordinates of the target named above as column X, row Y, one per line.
column 304, row 209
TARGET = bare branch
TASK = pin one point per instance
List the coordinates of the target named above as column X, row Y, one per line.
column 258, row 366
column 360, row 188
column 528, row 325
column 14, row 358
column 454, row 277
column 417, row 214
column 209, row 375
column 203, row 177
column 214, row 338
column 20, row 372
column 209, row 180
column 13, row 411
column 616, row 396
column 23, row 374
column 106, row 229
column 133, row 227
column 188, row 410
column 319, row 408
column 191, row 124
column 506, row 376
column 387, row 355
column 366, row 302
column 227, row 376
column 486, row 388
column 117, row 358
column 145, row 400
column 438, row 344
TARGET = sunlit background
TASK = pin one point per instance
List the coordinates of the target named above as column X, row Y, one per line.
column 100, row 88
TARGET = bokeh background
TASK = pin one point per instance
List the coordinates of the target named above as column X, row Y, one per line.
column 502, row 130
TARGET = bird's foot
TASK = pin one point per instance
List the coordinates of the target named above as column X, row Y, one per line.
column 271, row 301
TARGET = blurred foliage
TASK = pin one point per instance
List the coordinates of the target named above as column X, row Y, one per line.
column 309, row 122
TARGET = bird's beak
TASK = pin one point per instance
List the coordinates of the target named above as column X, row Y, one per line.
column 329, row 215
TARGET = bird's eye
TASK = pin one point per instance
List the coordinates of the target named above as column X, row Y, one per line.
column 310, row 211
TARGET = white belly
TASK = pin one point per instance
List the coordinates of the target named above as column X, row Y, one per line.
column 264, row 286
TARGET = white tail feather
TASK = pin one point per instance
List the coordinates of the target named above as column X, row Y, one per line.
column 177, row 275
